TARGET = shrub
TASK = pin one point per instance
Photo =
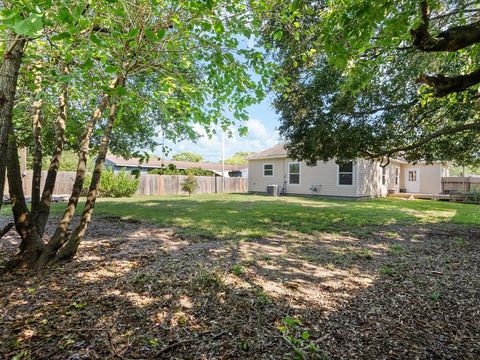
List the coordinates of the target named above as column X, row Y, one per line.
column 190, row 184
column 171, row 169
column 114, row 185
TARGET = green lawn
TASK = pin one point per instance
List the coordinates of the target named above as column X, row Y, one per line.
column 247, row 216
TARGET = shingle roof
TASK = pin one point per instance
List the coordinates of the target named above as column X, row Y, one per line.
column 276, row 151
column 155, row 162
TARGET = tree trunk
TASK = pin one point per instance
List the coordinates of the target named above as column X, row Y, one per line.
column 46, row 200
column 12, row 59
column 60, row 236
column 37, row 146
column 69, row 250
column 31, row 244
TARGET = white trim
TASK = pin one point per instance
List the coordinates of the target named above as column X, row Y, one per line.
column 383, row 176
column 299, row 172
column 353, row 175
column 263, row 170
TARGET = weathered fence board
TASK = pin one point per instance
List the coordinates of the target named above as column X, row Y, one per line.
column 149, row 184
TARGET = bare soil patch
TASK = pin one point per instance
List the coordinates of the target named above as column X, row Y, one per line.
column 137, row 291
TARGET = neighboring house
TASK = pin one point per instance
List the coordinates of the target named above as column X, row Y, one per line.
column 358, row 178
column 118, row 163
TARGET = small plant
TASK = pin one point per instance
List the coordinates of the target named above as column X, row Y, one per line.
column 363, row 253
column 386, row 270
column 459, row 241
column 153, row 342
column 435, row 295
column 238, row 269
column 207, row 281
column 298, row 337
column 396, row 249
column 190, row 184
column 79, row 305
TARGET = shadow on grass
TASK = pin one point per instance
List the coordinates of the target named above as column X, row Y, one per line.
column 253, row 216
column 142, row 293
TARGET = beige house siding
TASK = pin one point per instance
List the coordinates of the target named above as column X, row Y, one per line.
column 370, row 178
column 257, row 182
column 430, row 177
column 367, row 178
column 323, row 176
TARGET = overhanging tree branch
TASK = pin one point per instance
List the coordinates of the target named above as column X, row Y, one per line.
column 442, row 132
column 452, row 39
column 444, row 85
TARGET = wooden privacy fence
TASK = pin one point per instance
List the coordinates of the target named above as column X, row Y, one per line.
column 148, row 184
column 172, row 184
column 460, row 184
column 63, row 185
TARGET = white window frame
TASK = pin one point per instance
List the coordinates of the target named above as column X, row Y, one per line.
column 299, row 172
column 273, row 170
column 384, row 176
column 412, row 171
column 397, row 176
column 353, row 176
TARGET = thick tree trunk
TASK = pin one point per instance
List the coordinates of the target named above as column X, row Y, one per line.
column 31, row 244
column 60, row 236
column 37, row 146
column 12, row 59
column 69, row 250
column 46, row 200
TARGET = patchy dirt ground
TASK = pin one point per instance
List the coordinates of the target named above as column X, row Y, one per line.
column 137, row 291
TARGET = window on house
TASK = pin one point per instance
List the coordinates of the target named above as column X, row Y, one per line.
column 294, row 173
column 267, row 169
column 412, row 175
column 345, row 173
column 397, row 173
column 384, row 174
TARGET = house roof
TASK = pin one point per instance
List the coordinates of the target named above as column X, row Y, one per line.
column 278, row 151
column 155, row 163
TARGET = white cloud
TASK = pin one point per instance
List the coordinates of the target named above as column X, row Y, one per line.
column 258, row 138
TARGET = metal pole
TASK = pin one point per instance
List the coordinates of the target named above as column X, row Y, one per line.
column 223, row 160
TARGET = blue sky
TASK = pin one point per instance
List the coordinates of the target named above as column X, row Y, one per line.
column 262, row 134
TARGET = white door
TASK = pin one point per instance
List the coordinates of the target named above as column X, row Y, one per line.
column 412, row 179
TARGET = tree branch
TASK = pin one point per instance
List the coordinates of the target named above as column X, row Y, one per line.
column 444, row 85
column 6, row 229
column 442, row 132
column 452, row 39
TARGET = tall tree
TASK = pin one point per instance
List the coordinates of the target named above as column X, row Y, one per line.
column 377, row 79
column 106, row 59
column 187, row 156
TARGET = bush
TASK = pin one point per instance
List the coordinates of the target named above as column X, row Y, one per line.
column 171, row 169
column 190, row 184
column 114, row 185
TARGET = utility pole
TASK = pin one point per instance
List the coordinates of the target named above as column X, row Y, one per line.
column 223, row 160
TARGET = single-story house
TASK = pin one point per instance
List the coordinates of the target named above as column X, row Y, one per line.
column 357, row 178
column 118, row 163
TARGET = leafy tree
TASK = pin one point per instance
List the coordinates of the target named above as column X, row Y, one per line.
column 377, row 79
column 239, row 158
column 91, row 70
column 190, row 184
column 187, row 156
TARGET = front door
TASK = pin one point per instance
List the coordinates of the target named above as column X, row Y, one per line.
column 412, row 180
